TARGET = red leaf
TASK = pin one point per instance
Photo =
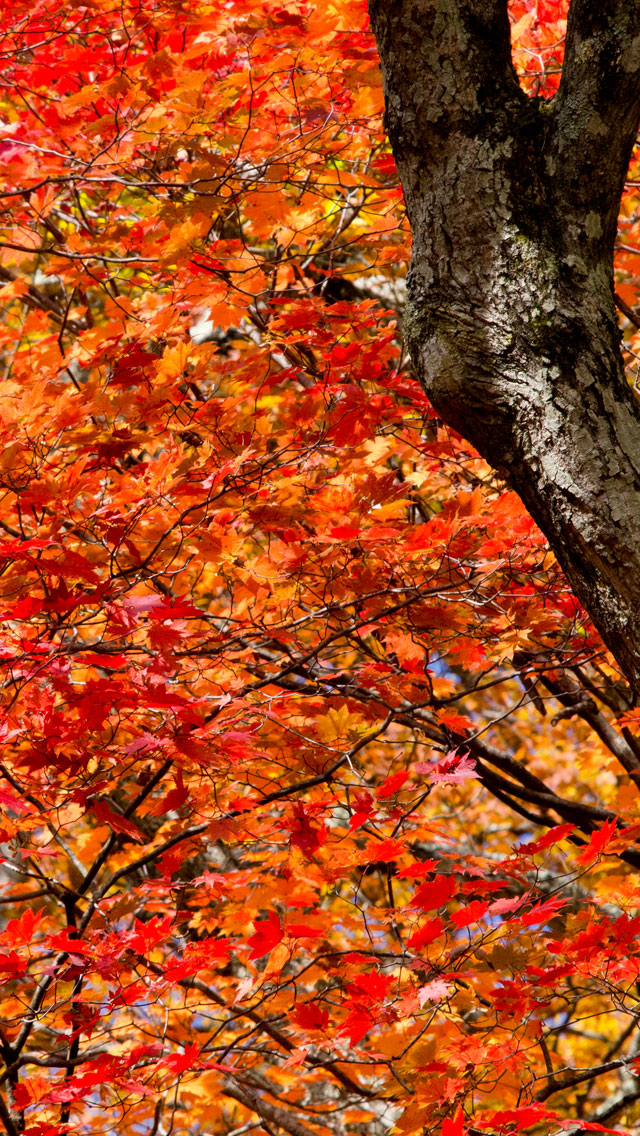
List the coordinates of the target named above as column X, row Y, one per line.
column 303, row 931
column 434, row 991
column 12, row 964
column 435, row 893
column 21, row 931
column 132, row 367
column 453, row 768
column 147, row 1049
column 145, row 936
column 472, row 913
column 522, row 1117
column 357, row 1025
column 372, row 985
column 421, row 868
column 427, row 933
column 454, row 1127
column 542, row 912
column 597, row 842
column 553, row 836
column 364, row 807
column 383, row 851
column 179, row 1062
column 11, row 802
column 507, row 905
column 174, row 799
column 68, row 941
column 268, row 933
column 118, row 823
column 310, row 1016
column 306, row 833
column 394, row 782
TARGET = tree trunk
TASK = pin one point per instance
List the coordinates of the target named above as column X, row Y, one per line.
column 511, row 321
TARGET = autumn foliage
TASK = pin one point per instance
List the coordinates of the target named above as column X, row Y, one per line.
column 319, row 792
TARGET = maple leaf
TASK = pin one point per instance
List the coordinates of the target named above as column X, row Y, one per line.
column 248, row 577
column 174, row 799
column 598, row 842
column 434, row 991
column 267, row 934
column 106, row 815
column 384, row 851
column 145, row 936
column 12, row 964
column 416, row 870
column 310, row 1016
column 372, row 985
column 22, row 930
column 306, row 833
column 541, row 913
column 363, row 808
column 553, row 836
column 10, row 801
column 357, row 1025
column 392, row 784
column 453, row 769
column 180, row 1062
column 454, row 1126
column 435, row 893
column 523, row 1116
column 472, row 913
column 427, row 933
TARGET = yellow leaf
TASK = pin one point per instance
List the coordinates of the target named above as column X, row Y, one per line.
column 339, row 724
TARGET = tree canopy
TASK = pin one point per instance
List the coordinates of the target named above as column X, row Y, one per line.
column 318, row 784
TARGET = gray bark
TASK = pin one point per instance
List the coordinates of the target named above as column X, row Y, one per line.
column 510, row 321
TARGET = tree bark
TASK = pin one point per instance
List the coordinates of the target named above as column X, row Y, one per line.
column 511, row 322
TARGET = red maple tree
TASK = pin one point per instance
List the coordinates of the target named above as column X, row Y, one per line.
column 318, row 788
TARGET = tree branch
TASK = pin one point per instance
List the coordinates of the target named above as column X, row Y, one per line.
column 470, row 72
column 597, row 110
column 510, row 317
column 269, row 1112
